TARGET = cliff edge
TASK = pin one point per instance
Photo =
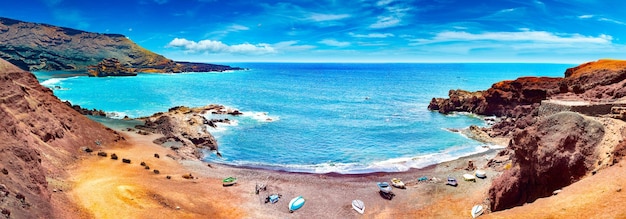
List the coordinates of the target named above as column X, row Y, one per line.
column 39, row 137
column 551, row 151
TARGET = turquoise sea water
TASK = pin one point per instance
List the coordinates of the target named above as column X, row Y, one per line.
column 345, row 118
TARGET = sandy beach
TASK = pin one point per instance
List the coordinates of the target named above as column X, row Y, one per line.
column 107, row 188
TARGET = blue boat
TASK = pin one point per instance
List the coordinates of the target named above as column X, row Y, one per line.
column 384, row 187
column 296, row 203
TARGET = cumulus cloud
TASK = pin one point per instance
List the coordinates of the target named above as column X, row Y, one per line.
column 333, row 42
column 211, row 46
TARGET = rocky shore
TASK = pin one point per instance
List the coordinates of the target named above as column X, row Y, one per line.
column 551, row 151
column 185, row 130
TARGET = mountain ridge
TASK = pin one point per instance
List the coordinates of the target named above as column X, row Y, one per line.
column 38, row 46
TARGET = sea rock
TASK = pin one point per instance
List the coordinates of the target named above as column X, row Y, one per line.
column 34, row 46
column 554, row 152
column 187, row 127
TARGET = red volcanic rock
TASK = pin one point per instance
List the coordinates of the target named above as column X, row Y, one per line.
column 501, row 98
column 39, row 135
column 554, row 152
column 600, row 80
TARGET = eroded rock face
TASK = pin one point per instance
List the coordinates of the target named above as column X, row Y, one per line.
column 554, row 152
column 501, row 99
column 39, row 137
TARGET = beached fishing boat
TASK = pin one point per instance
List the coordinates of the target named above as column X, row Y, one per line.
column 229, row 181
column 452, row 181
column 477, row 210
column 296, row 203
column 397, row 183
column 358, row 206
column 384, row 187
column 480, row 174
column 469, row 177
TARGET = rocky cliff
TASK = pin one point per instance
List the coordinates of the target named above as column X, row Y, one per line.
column 34, row 46
column 546, row 153
column 39, row 137
column 553, row 153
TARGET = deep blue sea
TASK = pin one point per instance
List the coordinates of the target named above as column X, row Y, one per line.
column 345, row 118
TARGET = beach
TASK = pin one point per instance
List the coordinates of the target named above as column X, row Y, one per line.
column 107, row 188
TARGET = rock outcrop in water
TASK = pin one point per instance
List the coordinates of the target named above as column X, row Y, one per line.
column 550, row 152
column 34, row 46
column 39, row 137
column 186, row 129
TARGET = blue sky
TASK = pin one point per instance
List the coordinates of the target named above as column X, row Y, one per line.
column 561, row 31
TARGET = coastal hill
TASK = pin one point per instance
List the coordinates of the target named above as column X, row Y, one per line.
column 40, row 136
column 562, row 130
column 34, row 46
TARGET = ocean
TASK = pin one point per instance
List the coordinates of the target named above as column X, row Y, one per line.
column 311, row 117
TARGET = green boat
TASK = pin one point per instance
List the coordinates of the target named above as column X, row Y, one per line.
column 229, row 181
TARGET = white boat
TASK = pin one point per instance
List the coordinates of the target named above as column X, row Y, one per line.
column 481, row 174
column 358, row 206
column 397, row 183
column 296, row 203
column 469, row 177
column 477, row 210
column 384, row 187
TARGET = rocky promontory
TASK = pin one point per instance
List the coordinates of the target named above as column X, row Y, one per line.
column 185, row 130
column 34, row 46
column 547, row 151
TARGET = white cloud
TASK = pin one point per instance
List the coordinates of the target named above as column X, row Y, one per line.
column 385, row 22
column 211, row 46
column 372, row 35
column 393, row 17
column 333, row 42
column 383, row 2
column 586, row 16
column 291, row 46
column 521, row 36
column 327, row 17
column 612, row 21
column 236, row 28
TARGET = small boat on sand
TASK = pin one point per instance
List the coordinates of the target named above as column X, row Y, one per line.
column 397, row 183
column 358, row 206
column 452, row 181
column 296, row 203
column 384, row 187
column 469, row 177
column 480, row 174
column 229, row 181
column 477, row 210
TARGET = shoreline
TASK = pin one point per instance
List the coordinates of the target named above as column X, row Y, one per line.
column 139, row 193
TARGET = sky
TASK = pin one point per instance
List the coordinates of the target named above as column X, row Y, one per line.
column 555, row 31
